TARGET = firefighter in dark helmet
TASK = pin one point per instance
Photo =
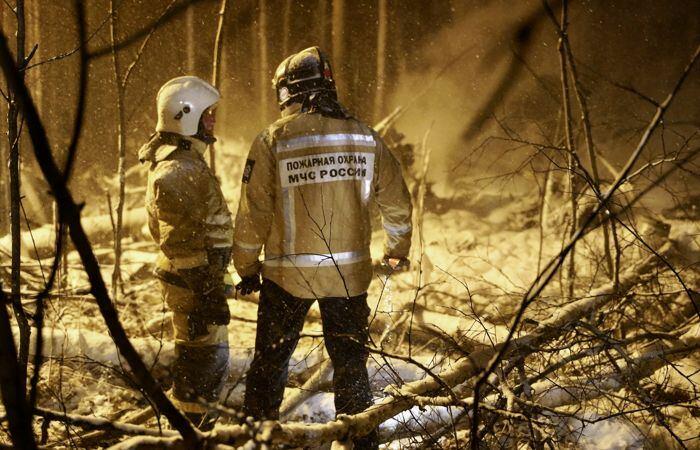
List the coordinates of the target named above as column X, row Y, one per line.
column 307, row 187
column 189, row 220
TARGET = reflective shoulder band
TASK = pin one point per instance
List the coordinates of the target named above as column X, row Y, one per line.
column 326, row 140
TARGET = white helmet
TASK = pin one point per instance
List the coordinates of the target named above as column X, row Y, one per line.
column 181, row 102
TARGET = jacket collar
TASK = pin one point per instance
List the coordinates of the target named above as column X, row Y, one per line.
column 162, row 145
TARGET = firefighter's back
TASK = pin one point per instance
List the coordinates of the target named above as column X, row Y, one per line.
column 321, row 234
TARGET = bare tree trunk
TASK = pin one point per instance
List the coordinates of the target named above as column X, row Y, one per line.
column 613, row 270
column 189, row 23
column 323, row 22
column 13, row 133
column 121, row 169
column 570, row 146
column 60, row 233
column 4, row 158
column 12, row 385
column 383, row 20
column 286, row 27
column 337, row 35
column 4, row 182
column 264, row 79
column 419, row 235
column 543, row 212
column 216, row 69
column 34, row 78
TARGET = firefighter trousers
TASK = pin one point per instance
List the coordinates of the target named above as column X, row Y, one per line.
column 345, row 330
column 201, row 362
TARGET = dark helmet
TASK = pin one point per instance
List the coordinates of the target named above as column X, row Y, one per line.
column 302, row 74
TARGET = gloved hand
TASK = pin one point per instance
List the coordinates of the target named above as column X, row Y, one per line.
column 401, row 264
column 249, row 284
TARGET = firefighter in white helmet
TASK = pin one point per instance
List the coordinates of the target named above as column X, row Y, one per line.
column 308, row 184
column 189, row 220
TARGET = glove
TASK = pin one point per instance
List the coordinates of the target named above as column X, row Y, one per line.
column 401, row 264
column 249, row 284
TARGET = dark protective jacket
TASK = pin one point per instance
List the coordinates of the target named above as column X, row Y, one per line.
column 187, row 214
column 306, row 193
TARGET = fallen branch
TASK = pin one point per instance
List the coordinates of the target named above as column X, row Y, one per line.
column 131, row 418
column 557, row 393
column 99, row 423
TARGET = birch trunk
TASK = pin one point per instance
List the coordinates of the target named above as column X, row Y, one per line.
column 13, row 133
column 383, row 22
column 121, row 169
column 12, row 387
column 337, row 32
column 34, row 36
column 190, row 25
column 216, row 69
column 4, row 156
column 286, row 27
column 613, row 268
column 323, row 22
column 570, row 146
column 264, row 78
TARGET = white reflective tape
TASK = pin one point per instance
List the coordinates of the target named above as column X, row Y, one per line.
column 366, row 191
column 326, row 140
column 396, row 229
column 220, row 238
column 316, row 259
column 219, row 219
column 248, row 247
column 289, row 219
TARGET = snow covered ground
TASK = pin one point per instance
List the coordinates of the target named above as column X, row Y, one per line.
column 476, row 263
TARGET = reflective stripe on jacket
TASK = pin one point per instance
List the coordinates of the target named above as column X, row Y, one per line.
column 306, row 193
column 187, row 213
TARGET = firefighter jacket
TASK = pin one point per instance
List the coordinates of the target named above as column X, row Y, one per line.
column 307, row 188
column 187, row 214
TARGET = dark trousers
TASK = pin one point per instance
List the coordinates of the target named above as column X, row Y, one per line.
column 280, row 320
